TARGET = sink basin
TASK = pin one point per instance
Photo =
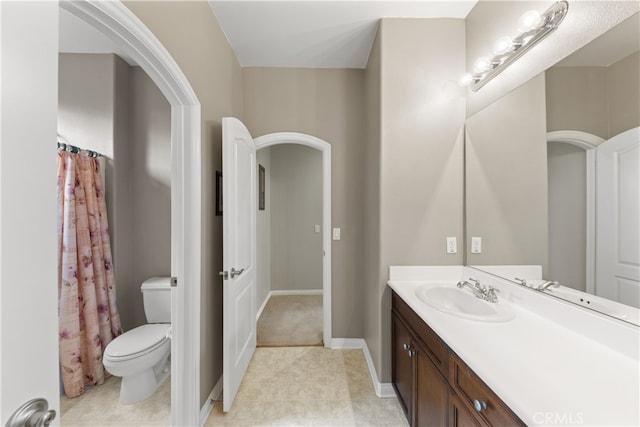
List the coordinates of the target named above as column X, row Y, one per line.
column 462, row 303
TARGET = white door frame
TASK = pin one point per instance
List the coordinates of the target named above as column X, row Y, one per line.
column 120, row 24
column 587, row 142
column 272, row 139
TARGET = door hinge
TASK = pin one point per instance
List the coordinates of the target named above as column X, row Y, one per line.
column 174, row 282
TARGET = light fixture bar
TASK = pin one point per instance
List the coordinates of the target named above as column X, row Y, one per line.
column 549, row 21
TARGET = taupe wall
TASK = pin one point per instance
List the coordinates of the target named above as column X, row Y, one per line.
column 263, row 237
column 296, row 197
column 603, row 101
column 421, row 157
column 191, row 34
column 117, row 110
column 328, row 104
column 506, row 179
column 567, row 214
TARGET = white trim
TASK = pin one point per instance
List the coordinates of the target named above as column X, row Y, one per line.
column 589, row 143
column 214, row 396
column 271, row 139
column 383, row 390
column 296, row 292
column 287, row 292
column 120, row 24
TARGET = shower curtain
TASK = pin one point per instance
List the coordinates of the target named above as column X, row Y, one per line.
column 87, row 311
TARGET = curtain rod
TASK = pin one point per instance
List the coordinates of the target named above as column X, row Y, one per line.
column 63, row 146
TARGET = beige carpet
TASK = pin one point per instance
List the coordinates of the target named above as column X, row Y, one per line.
column 291, row 320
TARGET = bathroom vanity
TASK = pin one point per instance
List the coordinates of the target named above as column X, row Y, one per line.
column 459, row 363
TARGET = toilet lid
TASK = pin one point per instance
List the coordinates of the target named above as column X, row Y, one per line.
column 138, row 340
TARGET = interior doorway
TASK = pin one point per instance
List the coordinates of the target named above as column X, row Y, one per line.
column 324, row 224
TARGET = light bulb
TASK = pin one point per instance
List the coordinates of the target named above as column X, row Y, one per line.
column 482, row 64
column 465, row 80
column 529, row 20
column 503, row 45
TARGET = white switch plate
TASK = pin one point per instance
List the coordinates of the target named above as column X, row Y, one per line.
column 336, row 234
column 452, row 245
column 316, row 228
column 476, row 245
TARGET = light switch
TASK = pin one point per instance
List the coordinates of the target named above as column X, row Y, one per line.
column 336, row 234
column 316, row 228
column 476, row 245
column 452, row 245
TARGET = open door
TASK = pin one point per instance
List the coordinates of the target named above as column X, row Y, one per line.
column 239, row 254
column 618, row 218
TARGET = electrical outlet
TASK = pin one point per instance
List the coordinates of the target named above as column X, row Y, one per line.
column 452, row 245
column 476, row 245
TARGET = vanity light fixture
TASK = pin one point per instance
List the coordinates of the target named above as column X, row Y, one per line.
column 533, row 27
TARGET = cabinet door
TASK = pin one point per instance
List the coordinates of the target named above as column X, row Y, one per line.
column 431, row 392
column 459, row 416
column 402, row 365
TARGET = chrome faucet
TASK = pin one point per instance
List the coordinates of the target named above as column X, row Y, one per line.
column 549, row 283
column 486, row 293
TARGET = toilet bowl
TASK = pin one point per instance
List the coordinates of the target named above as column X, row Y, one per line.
column 141, row 356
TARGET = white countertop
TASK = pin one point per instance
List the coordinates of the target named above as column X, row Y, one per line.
column 547, row 373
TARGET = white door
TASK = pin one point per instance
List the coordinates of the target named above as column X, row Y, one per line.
column 618, row 218
column 28, row 255
column 239, row 254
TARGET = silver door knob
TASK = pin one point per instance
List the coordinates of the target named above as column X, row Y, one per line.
column 34, row 413
column 235, row 272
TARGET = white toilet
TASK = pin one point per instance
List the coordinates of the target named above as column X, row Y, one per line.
column 141, row 356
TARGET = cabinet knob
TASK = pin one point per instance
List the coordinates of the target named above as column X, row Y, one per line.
column 479, row 405
column 406, row 346
column 412, row 353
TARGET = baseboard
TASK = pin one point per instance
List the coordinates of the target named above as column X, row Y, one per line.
column 383, row 390
column 297, row 292
column 215, row 395
column 286, row 292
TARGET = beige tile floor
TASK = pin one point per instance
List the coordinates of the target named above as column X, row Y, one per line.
column 99, row 407
column 308, row 386
column 284, row 386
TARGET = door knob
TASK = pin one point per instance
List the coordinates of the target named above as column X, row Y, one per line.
column 34, row 413
column 235, row 272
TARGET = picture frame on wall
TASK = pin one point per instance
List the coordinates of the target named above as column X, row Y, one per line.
column 218, row 193
column 261, row 187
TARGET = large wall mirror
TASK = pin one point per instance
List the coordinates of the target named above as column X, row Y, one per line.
column 552, row 178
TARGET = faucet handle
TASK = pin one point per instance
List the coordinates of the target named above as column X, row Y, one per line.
column 476, row 282
column 522, row 282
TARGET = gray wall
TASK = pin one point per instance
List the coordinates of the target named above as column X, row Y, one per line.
column 263, row 229
column 150, row 152
column 506, row 179
column 109, row 107
column 567, row 214
column 328, row 104
column 421, row 120
column 296, row 207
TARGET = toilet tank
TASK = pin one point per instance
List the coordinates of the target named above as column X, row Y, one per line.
column 156, row 295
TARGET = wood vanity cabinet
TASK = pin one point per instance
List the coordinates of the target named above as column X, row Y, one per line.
column 434, row 386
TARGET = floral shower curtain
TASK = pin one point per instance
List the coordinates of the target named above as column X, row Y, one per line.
column 88, row 315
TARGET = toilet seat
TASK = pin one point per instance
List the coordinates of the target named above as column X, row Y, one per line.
column 137, row 342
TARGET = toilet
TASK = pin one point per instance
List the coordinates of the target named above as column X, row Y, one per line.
column 141, row 356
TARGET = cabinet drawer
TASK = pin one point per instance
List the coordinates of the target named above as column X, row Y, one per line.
column 437, row 350
column 469, row 388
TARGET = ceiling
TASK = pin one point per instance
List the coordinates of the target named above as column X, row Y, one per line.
column 316, row 34
column 289, row 33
